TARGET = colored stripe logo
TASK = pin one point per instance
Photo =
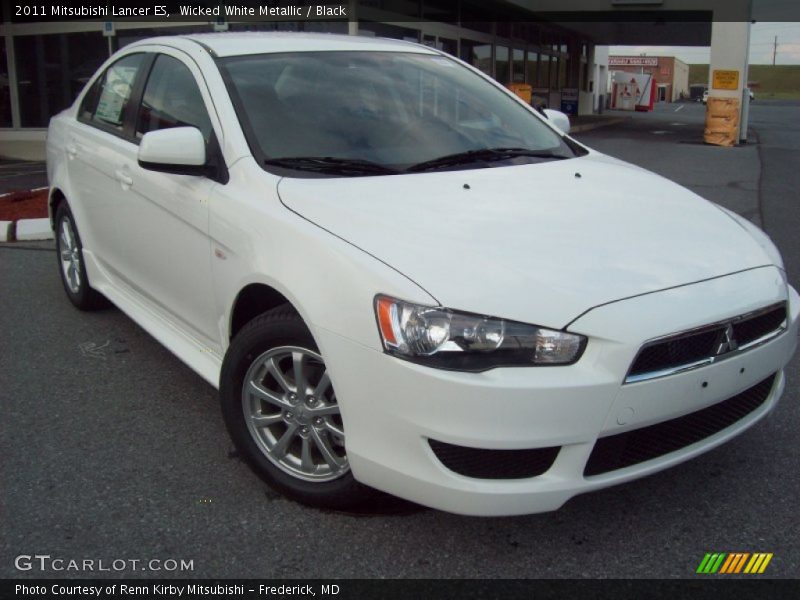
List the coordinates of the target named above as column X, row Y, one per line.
column 734, row 563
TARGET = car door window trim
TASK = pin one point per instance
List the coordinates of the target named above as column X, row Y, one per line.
column 126, row 133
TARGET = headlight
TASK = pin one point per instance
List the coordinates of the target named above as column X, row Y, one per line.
column 448, row 339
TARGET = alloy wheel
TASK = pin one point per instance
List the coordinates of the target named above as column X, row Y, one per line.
column 292, row 413
column 70, row 255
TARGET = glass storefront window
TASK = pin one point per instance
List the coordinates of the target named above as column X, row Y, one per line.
column 532, row 68
column 388, row 31
column 478, row 54
column 440, row 43
column 5, row 90
column 544, row 72
column 563, row 70
column 128, row 36
column 518, row 66
column 52, row 70
column 502, row 65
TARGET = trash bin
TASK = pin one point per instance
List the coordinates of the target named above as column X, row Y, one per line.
column 523, row 90
column 722, row 121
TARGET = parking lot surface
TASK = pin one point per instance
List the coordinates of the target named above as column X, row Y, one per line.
column 113, row 449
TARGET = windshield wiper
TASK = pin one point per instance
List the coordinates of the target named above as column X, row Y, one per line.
column 331, row 164
column 484, row 154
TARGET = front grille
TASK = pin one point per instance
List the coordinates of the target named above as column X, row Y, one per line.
column 701, row 346
column 749, row 330
column 639, row 445
column 494, row 464
column 675, row 352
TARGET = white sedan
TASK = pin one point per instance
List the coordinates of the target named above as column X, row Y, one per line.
column 403, row 279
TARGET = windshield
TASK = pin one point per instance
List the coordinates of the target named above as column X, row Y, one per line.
column 376, row 113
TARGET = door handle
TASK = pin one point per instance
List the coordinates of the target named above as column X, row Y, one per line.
column 72, row 150
column 124, row 178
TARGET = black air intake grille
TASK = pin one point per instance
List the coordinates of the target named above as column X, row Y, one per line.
column 749, row 330
column 494, row 464
column 640, row 445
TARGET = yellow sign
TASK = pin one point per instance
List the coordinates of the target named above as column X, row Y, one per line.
column 725, row 80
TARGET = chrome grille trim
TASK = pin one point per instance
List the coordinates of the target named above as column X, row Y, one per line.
column 712, row 358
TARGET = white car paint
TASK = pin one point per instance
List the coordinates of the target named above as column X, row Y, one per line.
column 178, row 146
column 558, row 119
column 572, row 232
column 558, row 244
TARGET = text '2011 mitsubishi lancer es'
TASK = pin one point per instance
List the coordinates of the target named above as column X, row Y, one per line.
column 404, row 279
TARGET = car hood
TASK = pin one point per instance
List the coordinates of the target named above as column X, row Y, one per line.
column 539, row 243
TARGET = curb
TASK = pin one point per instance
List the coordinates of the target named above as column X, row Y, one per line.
column 29, row 230
column 597, row 124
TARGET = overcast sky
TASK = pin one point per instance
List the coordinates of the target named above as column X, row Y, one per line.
column 762, row 36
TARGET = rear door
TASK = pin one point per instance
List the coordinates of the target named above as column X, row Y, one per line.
column 96, row 146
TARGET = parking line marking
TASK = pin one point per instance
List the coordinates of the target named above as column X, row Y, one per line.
column 679, row 108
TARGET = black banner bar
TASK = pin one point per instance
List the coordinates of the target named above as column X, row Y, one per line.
column 712, row 587
column 464, row 11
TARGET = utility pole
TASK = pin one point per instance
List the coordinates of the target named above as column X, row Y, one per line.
column 774, row 50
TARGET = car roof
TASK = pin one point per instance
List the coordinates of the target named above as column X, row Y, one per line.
column 258, row 42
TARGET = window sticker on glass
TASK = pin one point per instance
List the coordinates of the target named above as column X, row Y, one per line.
column 116, row 90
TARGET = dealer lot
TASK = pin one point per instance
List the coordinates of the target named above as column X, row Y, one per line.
column 113, row 449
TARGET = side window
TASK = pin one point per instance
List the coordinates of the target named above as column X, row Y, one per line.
column 172, row 99
column 90, row 101
column 106, row 102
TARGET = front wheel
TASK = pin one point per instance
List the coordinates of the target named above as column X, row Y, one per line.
column 282, row 413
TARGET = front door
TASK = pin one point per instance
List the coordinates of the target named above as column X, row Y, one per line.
column 164, row 222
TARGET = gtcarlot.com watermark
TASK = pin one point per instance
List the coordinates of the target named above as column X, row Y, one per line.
column 48, row 563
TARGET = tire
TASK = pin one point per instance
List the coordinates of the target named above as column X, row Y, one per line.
column 72, row 267
column 297, row 447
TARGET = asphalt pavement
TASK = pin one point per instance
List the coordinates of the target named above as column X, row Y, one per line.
column 21, row 175
column 113, row 449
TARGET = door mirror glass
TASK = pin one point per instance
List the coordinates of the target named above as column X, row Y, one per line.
column 180, row 150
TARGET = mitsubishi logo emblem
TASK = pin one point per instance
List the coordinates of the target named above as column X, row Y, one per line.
column 727, row 343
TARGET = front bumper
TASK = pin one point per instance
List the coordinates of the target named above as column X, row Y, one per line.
column 391, row 408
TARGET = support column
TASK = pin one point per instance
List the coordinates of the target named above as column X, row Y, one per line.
column 13, row 80
column 727, row 72
column 352, row 17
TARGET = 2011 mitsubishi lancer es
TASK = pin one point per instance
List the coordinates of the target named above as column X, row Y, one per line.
column 404, row 279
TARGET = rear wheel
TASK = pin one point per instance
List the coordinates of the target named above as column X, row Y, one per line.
column 69, row 251
column 282, row 413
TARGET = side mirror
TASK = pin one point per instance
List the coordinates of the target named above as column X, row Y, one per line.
column 557, row 118
column 178, row 150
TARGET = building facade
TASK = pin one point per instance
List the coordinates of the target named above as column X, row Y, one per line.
column 44, row 65
column 671, row 74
